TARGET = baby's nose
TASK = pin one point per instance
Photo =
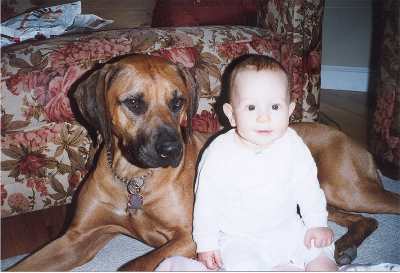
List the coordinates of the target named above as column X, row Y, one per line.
column 263, row 117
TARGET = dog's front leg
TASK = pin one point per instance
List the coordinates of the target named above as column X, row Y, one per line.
column 72, row 249
column 179, row 246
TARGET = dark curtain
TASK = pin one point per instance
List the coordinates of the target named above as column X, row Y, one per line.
column 384, row 92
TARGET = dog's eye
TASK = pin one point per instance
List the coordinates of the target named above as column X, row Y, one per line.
column 136, row 105
column 177, row 104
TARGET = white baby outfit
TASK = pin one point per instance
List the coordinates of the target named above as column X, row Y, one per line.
column 246, row 203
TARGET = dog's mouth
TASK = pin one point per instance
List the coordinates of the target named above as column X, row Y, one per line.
column 163, row 149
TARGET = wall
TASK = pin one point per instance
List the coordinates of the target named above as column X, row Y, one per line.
column 346, row 43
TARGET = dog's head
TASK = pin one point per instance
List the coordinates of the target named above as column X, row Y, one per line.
column 141, row 102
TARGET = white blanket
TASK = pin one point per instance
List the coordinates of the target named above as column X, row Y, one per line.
column 48, row 22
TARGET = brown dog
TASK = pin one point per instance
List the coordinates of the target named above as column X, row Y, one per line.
column 142, row 185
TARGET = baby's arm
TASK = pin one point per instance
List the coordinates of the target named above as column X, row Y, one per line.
column 211, row 259
column 206, row 212
column 311, row 200
column 322, row 236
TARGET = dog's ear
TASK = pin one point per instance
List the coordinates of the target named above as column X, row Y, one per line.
column 193, row 88
column 90, row 97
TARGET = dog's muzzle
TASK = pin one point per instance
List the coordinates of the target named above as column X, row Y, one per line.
column 162, row 148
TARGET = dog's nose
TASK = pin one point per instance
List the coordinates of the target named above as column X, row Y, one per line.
column 169, row 149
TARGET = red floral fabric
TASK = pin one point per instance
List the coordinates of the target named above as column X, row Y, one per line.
column 45, row 152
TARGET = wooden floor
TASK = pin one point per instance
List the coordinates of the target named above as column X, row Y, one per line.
column 25, row 233
column 349, row 110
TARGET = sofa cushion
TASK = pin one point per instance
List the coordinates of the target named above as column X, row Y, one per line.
column 175, row 13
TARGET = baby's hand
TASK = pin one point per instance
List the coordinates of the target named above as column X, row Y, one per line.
column 211, row 259
column 322, row 236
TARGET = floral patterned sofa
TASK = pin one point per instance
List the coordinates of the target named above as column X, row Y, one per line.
column 44, row 151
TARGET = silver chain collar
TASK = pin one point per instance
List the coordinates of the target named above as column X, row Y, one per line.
column 133, row 185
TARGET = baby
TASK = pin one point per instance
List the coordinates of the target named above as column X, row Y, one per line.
column 251, row 180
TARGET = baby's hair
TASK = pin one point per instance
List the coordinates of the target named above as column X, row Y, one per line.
column 253, row 62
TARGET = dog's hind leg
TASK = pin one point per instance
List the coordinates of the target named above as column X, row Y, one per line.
column 366, row 195
column 378, row 200
column 358, row 229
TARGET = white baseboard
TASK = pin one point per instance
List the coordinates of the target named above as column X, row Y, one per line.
column 344, row 78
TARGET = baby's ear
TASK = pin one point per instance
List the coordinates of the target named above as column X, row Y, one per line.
column 229, row 113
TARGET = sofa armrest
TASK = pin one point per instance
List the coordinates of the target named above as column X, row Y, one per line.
column 298, row 21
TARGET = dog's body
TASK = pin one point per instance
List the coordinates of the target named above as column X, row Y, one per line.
column 138, row 105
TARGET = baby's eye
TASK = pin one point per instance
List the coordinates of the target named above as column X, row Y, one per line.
column 275, row 106
column 251, row 107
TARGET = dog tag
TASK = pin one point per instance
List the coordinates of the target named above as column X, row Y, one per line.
column 135, row 201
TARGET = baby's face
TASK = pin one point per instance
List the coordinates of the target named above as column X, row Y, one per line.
column 259, row 107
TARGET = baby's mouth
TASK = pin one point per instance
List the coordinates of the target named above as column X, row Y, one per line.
column 264, row 132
